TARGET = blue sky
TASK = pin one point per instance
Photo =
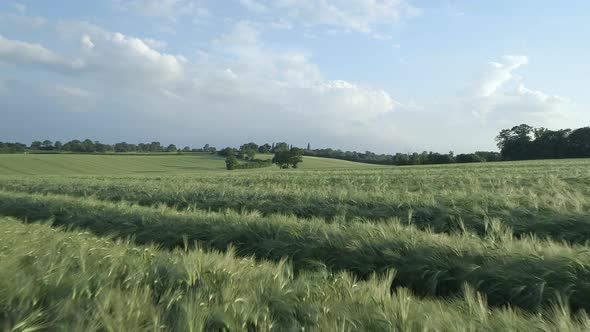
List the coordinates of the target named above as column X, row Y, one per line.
column 381, row 75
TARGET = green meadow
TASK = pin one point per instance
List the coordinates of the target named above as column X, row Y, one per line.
column 178, row 243
column 140, row 164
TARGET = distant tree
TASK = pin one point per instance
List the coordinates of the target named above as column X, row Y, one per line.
column 47, row 145
column 231, row 162
column 290, row 158
column 281, row 159
column 579, row 142
column 281, row 146
column 308, row 146
column 265, row 148
column 12, row 147
column 156, row 147
column 469, row 158
column 121, row 147
column 206, row 148
column 248, row 151
column 515, row 143
column 296, row 157
column 227, row 151
column 99, row 147
column 171, row 148
column 58, row 145
column 36, row 145
column 87, row 145
column 525, row 142
column 186, row 149
column 489, row 155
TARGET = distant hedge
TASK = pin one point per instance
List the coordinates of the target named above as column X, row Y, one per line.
column 256, row 163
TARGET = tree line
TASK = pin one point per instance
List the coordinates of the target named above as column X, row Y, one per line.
column 12, row 147
column 524, row 142
column 520, row 142
column 401, row 159
column 90, row 146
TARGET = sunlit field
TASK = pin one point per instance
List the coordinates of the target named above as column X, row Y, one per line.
column 176, row 243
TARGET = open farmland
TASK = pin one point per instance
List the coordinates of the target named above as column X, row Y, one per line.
column 139, row 164
column 494, row 246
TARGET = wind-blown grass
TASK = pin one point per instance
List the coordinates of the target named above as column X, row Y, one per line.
column 547, row 199
column 71, row 281
column 526, row 273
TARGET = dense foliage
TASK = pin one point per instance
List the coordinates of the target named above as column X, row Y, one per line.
column 524, row 142
column 89, row 146
column 247, row 154
column 288, row 158
column 424, row 158
column 12, row 147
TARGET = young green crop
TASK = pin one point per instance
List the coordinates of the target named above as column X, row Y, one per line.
column 551, row 201
column 71, row 281
column 527, row 273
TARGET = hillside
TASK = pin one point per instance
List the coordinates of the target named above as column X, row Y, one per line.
column 81, row 164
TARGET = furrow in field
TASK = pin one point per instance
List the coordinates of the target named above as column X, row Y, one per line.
column 550, row 210
column 526, row 273
column 71, row 281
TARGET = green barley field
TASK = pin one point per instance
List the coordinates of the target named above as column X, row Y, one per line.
column 177, row 243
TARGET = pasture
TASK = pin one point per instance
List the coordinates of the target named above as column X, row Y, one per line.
column 176, row 243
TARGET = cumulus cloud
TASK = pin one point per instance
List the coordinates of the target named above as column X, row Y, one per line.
column 20, row 52
column 501, row 90
column 241, row 88
column 129, row 58
column 498, row 74
column 246, row 88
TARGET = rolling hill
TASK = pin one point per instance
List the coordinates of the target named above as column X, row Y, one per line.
column 93, row 164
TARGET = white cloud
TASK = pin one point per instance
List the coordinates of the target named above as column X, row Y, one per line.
column 241, row 34
column 355, row 15
column 500, row 90
column 20, row 52
column 254, row 6
column 122, row 59
column 154, row 43
column 19, row 7
column 243, row 85
column 498, row 74
column 241, row 88
column 167, row 9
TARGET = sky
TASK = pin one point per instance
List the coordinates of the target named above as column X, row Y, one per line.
column 381, row 75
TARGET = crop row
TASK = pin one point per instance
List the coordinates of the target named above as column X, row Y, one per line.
column 527, row 273
column 54, row 280
column 551, row 209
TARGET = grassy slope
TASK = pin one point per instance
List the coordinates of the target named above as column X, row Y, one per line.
column 80, row 164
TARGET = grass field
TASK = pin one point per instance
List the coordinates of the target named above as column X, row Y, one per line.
column 176, row 243
column 81, row 164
